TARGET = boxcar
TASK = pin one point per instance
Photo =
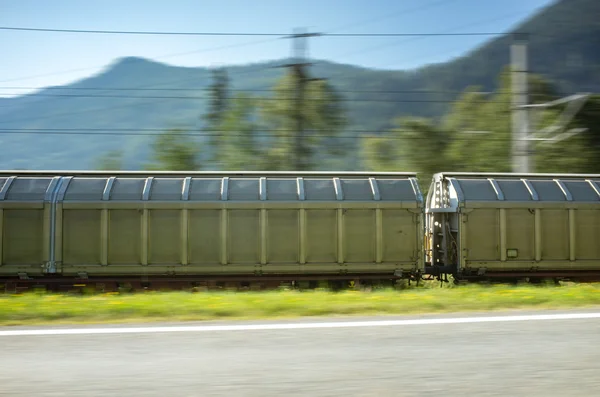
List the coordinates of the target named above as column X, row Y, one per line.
column 203, row 223
column 513, row 224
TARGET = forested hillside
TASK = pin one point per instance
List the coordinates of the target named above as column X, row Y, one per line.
column 133, row 99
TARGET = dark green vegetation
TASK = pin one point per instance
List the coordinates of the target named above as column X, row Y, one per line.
column 33, row 308
column 247, row 120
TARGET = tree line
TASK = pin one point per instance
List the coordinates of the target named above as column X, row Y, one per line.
column 475, row 136
column 249, row 132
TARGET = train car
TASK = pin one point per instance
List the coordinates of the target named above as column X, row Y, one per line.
column 214, row 225
column 513, row 225
column 287, row 226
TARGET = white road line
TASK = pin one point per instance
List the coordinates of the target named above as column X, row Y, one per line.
column 285, row 326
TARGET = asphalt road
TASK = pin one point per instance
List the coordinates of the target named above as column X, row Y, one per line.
column 530, row 358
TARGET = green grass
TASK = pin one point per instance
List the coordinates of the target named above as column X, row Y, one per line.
column 39, row 308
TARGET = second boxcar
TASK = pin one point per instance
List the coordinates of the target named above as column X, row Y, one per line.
column 511, row 225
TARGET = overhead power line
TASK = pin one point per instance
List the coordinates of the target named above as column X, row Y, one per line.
column 129, row 104
column 138, row 32
column 261, row 98
column 386, row 16
column 354, row 24
column 264, row 133
column 271, row 34
column 412, row 34
column 65, row 88
column 120, row 96
column 186, row 80
column 153, row 100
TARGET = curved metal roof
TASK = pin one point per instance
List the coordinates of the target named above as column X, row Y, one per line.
column 469, row 187
column 203, row 174
column 446, row 174
column 27, row 188
column 390, row 187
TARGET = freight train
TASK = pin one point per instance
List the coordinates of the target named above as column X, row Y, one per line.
column 81, row 228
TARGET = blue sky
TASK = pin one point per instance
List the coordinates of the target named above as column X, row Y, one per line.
column 59, row 58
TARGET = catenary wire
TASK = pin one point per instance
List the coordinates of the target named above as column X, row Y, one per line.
column 64, row 114
column 410, row 10
column 250, row 90
column 271, row 34
column 275, row 99
column 266, row 133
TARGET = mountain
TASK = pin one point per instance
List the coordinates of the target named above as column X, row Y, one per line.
column 563, row 47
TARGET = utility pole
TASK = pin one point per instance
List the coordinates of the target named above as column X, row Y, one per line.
column 521, row 154
column 524, row 134
column 525, row 130
column 301, row 79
